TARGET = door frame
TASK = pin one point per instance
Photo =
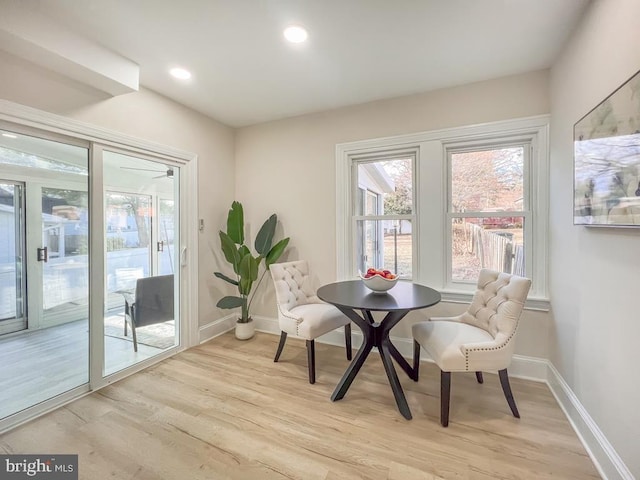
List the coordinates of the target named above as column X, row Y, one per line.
column 30, row 121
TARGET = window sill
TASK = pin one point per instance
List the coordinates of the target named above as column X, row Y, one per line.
column 533, row 303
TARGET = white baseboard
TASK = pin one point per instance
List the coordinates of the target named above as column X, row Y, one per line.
column 605, row 458
column 217, row 327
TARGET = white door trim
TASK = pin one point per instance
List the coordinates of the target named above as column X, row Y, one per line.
column 101, row 137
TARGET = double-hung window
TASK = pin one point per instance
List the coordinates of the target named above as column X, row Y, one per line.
column 436, row 207
column 383, row 213
column 488, row 209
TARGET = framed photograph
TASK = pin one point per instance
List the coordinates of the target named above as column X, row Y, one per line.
column 607, row 161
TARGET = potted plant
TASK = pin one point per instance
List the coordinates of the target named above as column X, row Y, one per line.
column 245, row 265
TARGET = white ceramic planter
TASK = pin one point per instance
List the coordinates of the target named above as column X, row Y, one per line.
column 244, row 331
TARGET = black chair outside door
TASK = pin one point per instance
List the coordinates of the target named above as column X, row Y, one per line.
column 152, row 302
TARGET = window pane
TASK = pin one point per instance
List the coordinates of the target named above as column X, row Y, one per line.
column 386, row 187
column 385, row 245
column 372, row 203
column 39, row 154
column 128, row 230
column 491, row 242
column 488, row 180
column 65, row 233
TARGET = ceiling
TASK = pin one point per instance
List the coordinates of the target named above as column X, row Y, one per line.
column 244, row 72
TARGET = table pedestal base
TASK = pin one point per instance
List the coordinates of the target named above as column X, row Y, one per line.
column 377, row 335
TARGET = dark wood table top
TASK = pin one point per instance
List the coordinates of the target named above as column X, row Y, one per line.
column 403, row 296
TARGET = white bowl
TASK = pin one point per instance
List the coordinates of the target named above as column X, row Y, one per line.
column 378, row 284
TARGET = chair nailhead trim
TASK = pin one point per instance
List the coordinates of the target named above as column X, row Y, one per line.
column 487, row 349
column 297, row 320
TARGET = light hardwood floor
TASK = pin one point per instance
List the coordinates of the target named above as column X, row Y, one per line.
column 41, row 364
column 225, row 410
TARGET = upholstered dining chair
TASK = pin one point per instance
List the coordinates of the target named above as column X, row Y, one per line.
column 151, row 303
column 302, row 313
column 481, row 339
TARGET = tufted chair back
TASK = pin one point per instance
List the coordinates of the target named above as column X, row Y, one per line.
column 497, row 304
column 293, row 284
column 293, row 288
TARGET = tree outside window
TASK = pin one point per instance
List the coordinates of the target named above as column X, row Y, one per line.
column 487, row 211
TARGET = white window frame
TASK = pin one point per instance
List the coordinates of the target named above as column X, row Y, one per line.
column 432, row 241
column 497, row 143
column 356, row 159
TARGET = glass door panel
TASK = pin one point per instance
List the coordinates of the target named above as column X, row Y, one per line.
column 140, row 220
column 12, row 315
column 65, row 264
column 43, row 270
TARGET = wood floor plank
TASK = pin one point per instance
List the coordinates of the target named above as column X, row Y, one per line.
column 225, row 410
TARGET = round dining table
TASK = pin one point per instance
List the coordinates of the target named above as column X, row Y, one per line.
column 351, row 297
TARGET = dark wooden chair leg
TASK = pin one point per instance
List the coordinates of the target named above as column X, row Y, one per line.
column 283, row 338
column 347, row 340
column 126, row 315
column 479, row 377
column 132, row 319
column 311, row 360
column 135, row 339
column 416, row 360
column 506, row 388
column 445, row 393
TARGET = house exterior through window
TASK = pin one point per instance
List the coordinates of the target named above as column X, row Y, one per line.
column 383, row 213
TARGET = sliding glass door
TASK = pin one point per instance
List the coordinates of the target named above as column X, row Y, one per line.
column 93, row 253
column 140, row 200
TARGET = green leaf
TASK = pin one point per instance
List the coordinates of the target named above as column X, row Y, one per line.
column 235, row 223
column 225, row 278
column 275, row 252
column 230, row 302
column 248, row 268
column 230, row 251
column 248, row 274
column 245, row 286
column 265, row 235
column 243, row 251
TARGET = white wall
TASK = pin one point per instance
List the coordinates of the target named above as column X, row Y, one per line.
column 147, row 115
column 288, row 167
column 595, row 273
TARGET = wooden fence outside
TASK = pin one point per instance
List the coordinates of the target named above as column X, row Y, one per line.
column 496, row 250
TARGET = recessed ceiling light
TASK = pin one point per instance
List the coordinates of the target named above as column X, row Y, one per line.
column 180, row 73
column 295, row 34
column 9, row 135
